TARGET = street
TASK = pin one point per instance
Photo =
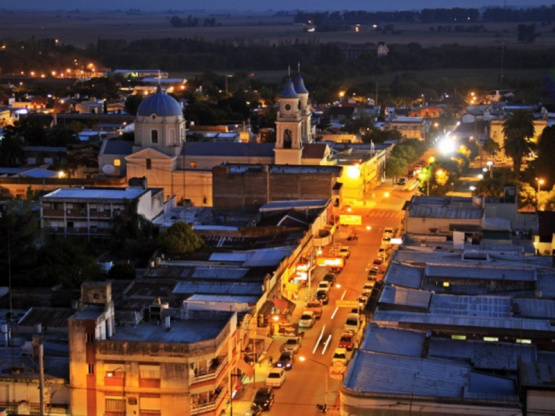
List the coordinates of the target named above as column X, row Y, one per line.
column 305, row 384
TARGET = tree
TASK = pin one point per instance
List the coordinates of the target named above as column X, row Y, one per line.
column 132, row 103
column 518, row 129
column 395, row 167
column 180, row 239
column 543, row 166
column 132, row 233
column 122, row 271
column 491, row 147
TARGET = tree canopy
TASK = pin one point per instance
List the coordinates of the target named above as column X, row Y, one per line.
column 180, row 239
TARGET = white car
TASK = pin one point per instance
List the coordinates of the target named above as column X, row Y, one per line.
column 367, row 288
column 275, row 378
column 324, row 285
column 307, row 319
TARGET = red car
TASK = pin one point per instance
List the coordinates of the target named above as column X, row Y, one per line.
column 378, row 261
column 347, row 341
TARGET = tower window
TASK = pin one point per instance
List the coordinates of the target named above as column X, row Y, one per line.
column 287, row 139
column 154, row 136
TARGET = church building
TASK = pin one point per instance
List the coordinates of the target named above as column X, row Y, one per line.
column 183, row 169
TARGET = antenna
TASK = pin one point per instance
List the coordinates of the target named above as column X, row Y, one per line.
column 299, row 67
column 159, row 77
column 289, row 71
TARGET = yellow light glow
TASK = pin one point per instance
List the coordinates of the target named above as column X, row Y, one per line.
column 353, row 172
column 61, row 174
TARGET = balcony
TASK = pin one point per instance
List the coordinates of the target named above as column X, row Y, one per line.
column 214, row 401
column 210, row 373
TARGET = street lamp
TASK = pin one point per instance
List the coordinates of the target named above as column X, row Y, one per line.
column 359, row 294
column 540, row 183
column 325, row 378
column 490, row 167
column 119, row 373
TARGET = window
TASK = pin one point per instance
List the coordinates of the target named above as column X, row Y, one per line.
column 117, row 162
column 287, row 139
column 90, row 337
column 458, row 337
column 149, row 371
column 154, row 136
column 193, row 164
column 149, row 164
column 115, row 405
column 91, row 368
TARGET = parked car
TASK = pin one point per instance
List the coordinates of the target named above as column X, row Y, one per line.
column 378, row 261
column 275, row 378
column 386, row 240
column 264, row 398
column 323, row 296
column 388, row 231
column 324, row 285
column 367, row 288
column 255, row 410
column 340, row 354
column 373, row 272
column 402, row 181
column 286, row 360
column 329, row 277
column 352, row 323
column 347, row 341
column 307, row 319
column 345, row 252
column 291, row 345
column 336, row 270
column 314, row 306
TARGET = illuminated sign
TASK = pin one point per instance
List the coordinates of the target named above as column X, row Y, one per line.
column 350, row 219
column 343, row 303
column 396, row 241
column 330, row 261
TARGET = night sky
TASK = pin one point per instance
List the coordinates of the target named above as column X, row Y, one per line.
column 263, row 5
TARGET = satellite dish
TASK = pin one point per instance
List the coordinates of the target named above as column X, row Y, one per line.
column 108, row 169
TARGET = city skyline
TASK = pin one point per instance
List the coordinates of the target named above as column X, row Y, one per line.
column 260, row 6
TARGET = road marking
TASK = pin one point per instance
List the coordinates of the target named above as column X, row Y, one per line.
column 319, row 339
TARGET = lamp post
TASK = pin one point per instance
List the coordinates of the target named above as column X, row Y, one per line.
column 114, row 373
column 540, row 183
column 490, row 168
column 326, row 387
column 359, row 294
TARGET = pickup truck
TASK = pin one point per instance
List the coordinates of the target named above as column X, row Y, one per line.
column 314, row 306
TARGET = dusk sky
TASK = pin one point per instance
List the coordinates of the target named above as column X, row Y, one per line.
column 262, row 5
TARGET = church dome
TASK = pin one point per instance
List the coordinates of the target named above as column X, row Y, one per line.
column 160, row 104
column 299, row 85
column 289, row 90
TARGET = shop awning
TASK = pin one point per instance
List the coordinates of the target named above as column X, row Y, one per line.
column 284, row 304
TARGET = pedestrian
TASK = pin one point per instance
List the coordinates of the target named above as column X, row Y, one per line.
column 270, row 361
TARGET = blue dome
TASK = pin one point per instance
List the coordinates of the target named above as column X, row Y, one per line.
column 289, row 91
column 160, row 104
column 299, row 85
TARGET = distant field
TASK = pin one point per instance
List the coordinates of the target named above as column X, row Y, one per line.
column 81, row 29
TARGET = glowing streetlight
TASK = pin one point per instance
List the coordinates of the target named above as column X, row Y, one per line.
column 490, row 167
column 540, row 183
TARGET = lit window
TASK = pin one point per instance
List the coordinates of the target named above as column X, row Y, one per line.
column 491, row 339
column 446, row 284
column 117, row 162
column 524, row 341
column 193, row 164
column 458, row 337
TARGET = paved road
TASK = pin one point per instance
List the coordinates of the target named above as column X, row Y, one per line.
column 305, row 385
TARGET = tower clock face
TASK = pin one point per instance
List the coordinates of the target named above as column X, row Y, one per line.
column 287, row 107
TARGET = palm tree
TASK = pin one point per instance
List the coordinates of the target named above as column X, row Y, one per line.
column 518, row 129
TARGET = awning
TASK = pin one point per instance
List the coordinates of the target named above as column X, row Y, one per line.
column 284, row 304
column 245, row 368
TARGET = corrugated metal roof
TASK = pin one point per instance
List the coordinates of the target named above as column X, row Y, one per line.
column 480, row 272
column 451, row 212
column 482, row 355
column 221, row 273
column 404, row 275
column 460, row 305
column 95, row 193
column 218, row 288
column 405, row 297
column 393, row 341
column 503, row 323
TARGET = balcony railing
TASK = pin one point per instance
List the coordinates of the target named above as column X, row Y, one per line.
column 210, row 373
column 210, row 405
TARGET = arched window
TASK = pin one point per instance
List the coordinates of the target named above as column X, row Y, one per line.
column 154, row 136
column 287, row 139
